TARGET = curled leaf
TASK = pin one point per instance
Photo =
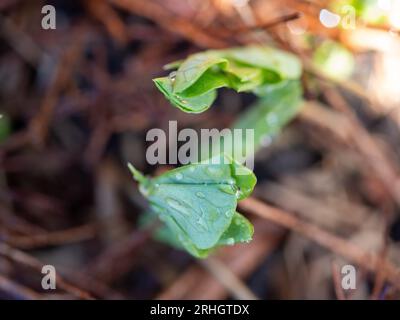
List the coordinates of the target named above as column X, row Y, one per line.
column 196, row 104
column 198, row 202
column 192, row 87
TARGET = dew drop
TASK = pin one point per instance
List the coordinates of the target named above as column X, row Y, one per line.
column 227, row 213
column 271, row 119
column 172, row 76
column 230, row 241
column 177, row 205
column 179, row 176
column 229, row 189
column 214, row 170
column 181, row 100
column 238, row 193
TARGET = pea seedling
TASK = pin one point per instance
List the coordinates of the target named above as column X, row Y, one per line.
column 197, row 202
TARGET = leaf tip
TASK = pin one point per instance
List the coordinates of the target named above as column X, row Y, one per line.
column 137, row 175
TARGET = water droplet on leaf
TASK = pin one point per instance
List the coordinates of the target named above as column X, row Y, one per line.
column 238, row 193
column 271, row 119
column 227, row 188
column 177, row 205
column 179, row 176
column 172, row 76
column 215, row 170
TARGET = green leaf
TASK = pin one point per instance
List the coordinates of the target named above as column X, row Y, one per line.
column 137, row 174
column 271, row 113
column 193, row 68
column 195, row 104
column 334, row 60
column 209, row 81
column 239, row 231
column 197, row 203
column 192, row 88
column 173, row 65
column 266, row 118
column 162, row 233
column 285, row 64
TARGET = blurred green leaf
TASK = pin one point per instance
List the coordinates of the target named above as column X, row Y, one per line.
column 285, row 64
column 271, row 113
column 266, row 117
column 5, row 127
column 334, row 60
column 369, row 11
column 209, row 80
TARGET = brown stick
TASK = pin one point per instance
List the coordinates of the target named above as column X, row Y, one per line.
column 268, row 24
column 61, row 237
column 161, row 16
column 228, row 279
column 102, row 11
column 342, row 247
column 39, row 125
column 17, row 291
column 350, row 133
